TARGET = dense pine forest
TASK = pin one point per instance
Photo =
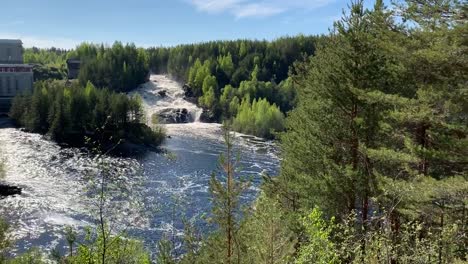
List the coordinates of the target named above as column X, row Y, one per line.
column 372, row 121
column 230, row 79
column 75, row 114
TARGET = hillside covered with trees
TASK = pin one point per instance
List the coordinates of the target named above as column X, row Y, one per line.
column 374, row 166
column 223, row 77
column 75, row 114
column 48, row 63
column 226, row 75
column 374, row 162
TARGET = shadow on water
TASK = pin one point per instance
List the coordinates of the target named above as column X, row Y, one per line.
column 6, row 122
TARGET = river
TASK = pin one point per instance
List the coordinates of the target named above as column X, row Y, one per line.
column 176, row 185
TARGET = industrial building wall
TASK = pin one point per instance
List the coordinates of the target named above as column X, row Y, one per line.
column 13, row 83
column 11, row 53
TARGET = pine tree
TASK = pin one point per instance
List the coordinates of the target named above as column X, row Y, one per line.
column 266, row 235
column 323, row 156
column 225, row 194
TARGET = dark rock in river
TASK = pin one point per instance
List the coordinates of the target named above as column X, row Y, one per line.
column 162, row 93
column 6, row 190
column 187, row 91
column 207, row 116
column 174, row 116
column 188, row 94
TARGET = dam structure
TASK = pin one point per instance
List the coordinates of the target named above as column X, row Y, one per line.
column 15, row 76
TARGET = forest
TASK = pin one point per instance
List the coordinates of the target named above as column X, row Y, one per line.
column 80, row 115
column 223, row 77
column 48, row 63
column 374, row 157
column 374, row 164
column 222, row 74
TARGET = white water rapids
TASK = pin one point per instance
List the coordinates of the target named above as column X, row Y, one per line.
column 161, row 93
column 54, row 184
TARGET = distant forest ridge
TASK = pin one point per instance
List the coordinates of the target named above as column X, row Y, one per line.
column 276, row 54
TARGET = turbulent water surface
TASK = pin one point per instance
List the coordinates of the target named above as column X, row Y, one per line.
column 175, row 185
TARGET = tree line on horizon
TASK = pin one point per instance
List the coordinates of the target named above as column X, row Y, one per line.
column 223, row 76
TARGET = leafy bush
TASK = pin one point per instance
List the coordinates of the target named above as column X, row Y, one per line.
column 258, row 118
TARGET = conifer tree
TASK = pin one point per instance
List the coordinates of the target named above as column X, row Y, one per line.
column 266, row 235
column 225, row 194
column 327, row 131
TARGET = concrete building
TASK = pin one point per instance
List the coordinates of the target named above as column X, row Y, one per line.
column 11, row 51
column 73, row 68
column 15, row 77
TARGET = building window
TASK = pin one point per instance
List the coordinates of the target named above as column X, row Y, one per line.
column 1, row 85
column 17, row 85
column 9, row 53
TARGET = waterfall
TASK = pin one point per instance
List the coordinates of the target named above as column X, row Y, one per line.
column 164, row 98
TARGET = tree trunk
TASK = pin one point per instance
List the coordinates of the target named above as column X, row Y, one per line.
column 423, row 142
column 354, row 157
column 229, row 224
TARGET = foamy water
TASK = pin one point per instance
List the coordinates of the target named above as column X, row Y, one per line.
column 154, row 103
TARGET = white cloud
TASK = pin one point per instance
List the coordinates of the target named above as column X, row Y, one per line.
column 41, row 42
column 214, row 6
column 256, row 8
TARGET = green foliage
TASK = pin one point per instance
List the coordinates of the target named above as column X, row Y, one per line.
column 225, row 100
column 165, row 252
column 377, row 139
column 119, row 68
column 208, row 99
column 273, row 58
column 42, row 73
column 48, row 63
column 378, row 142
column 33, row 256
column 73, row 113
column 226, row 65
column 258, row 118
column 112, row 193
column 120, row 249
column 52, row 56
column 328, row 242
column 225, row 195
column 263, row 64
column 266, row 235
column 253, row 65
column 5, row 240
column 320, row 247
column 381, row 125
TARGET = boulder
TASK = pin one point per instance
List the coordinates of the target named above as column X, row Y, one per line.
column 174, row 116
column 188, row 91
column 207, row 116
column 6, row 190
column 162, row 93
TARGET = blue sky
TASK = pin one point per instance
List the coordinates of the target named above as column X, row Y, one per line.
column 65, row 23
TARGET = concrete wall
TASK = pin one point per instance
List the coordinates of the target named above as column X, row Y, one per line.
column 13, row 83
column 11, row 53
